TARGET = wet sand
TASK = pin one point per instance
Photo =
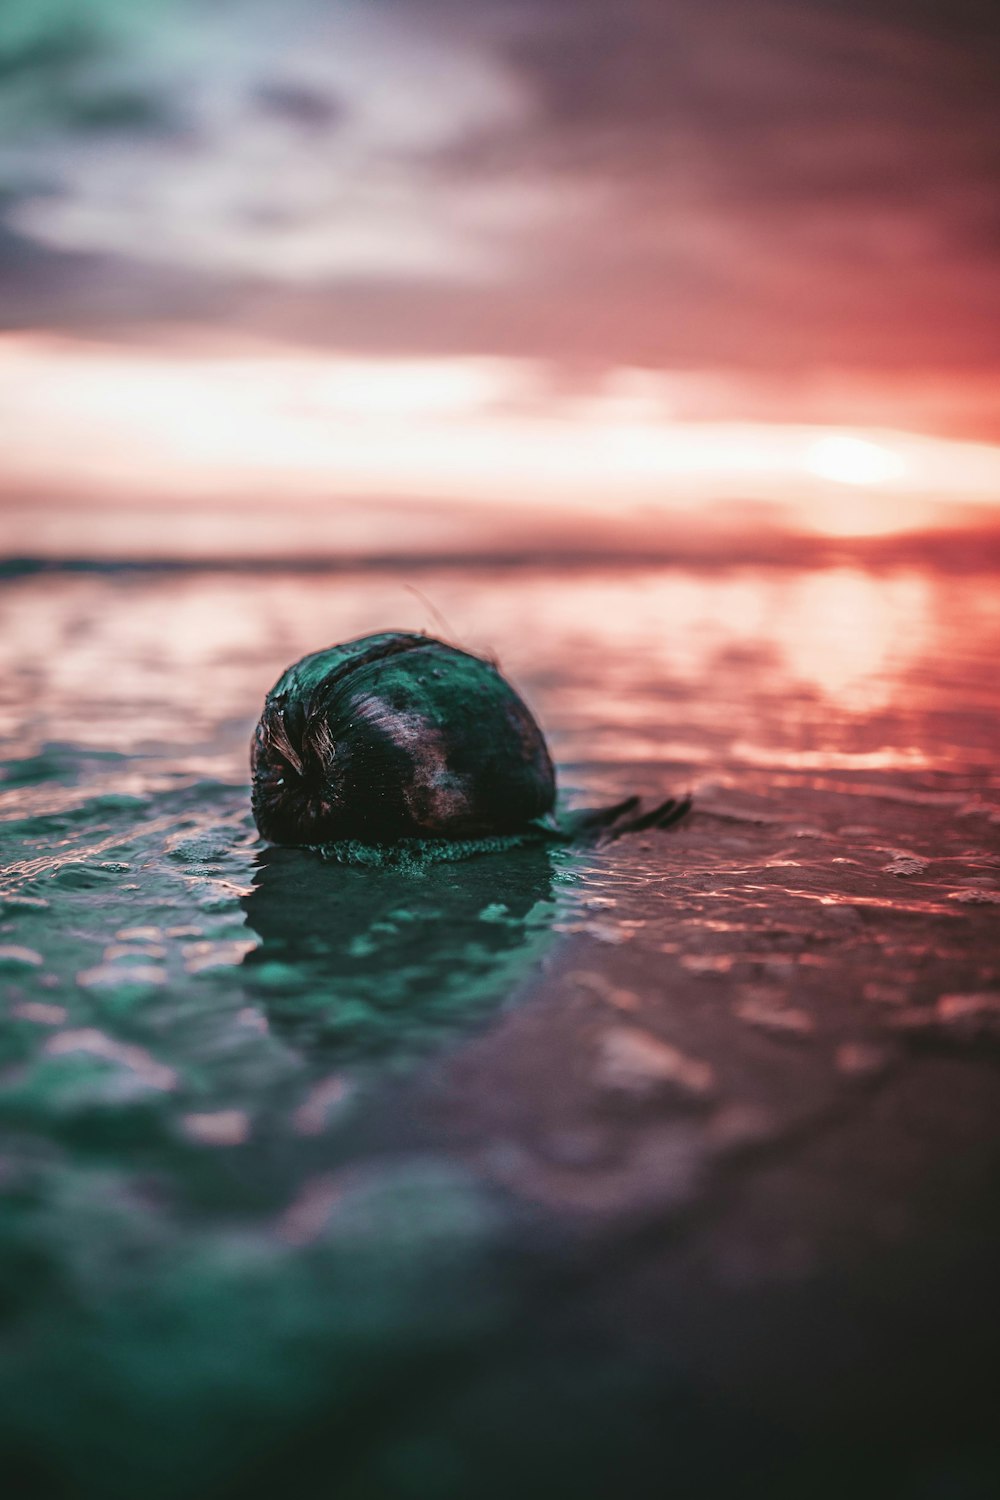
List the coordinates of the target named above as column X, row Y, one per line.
column 665, row 1166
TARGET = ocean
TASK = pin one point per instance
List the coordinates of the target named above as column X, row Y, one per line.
column 663, row 1165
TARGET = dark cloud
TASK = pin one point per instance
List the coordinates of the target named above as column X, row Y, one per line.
column 80, row 292
column 51, row 53
column 58, row 72
column 793, row 103
column 790, row 184
column 303, row 106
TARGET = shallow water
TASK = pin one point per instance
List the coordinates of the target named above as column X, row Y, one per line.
column 500, row 1173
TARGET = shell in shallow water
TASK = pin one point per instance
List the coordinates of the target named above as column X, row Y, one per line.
column 396, row 736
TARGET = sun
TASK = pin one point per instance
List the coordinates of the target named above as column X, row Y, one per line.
column 852, row 460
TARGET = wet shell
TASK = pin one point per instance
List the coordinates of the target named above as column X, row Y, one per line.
column 396, row 736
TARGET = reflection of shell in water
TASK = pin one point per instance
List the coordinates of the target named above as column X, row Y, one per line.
column 366, row 962
column 395, row 736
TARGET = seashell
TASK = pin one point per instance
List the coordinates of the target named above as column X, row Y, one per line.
column 396, row 736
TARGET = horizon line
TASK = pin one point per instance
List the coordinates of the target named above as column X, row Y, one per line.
column 960, row 549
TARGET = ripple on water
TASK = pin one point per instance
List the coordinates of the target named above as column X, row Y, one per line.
column 126, row 983
column 771, row 1011
column 636, row 1063
column 967, row 1018
column 906, row 864
column 14, row 959
column 82, row 875
column 127, row 1055
column 221, row 1127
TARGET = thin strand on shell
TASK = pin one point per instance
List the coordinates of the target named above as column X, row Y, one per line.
column 279, row 739
column 321, row 741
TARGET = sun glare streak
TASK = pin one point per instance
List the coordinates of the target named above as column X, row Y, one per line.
column 90, row 422
column 853, row 460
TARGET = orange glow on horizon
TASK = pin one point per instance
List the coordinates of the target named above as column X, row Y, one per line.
column 90, row 423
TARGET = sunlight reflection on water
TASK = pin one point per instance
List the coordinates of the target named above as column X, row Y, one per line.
column 656, row 664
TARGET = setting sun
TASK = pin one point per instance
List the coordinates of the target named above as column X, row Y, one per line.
column 853, row 460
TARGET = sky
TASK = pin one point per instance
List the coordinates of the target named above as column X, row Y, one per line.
column 571, row 253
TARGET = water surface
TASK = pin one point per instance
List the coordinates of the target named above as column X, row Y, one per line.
column 526, row 1171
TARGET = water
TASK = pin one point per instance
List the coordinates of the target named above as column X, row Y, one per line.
column 550, row 1171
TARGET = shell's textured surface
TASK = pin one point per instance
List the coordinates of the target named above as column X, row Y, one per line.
column 396, row 736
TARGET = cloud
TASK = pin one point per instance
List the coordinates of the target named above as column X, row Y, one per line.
column 292, row 157
column 783, row 189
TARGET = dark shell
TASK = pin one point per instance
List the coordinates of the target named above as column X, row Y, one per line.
column 396, row 736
